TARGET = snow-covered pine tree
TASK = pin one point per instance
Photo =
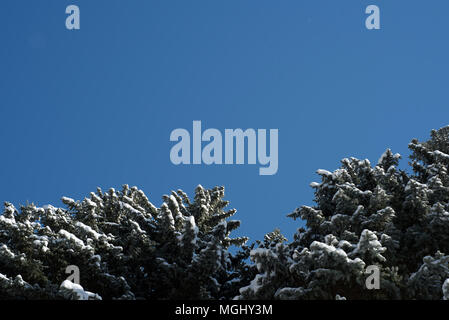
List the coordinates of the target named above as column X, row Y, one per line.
column 367, row 216
column 124, row 247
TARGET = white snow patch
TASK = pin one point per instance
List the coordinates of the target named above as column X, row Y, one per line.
column 71, row 237
column 323, row 172
column 91, row 232
column 78, row 291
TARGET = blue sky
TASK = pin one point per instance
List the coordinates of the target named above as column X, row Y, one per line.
column 95, row 107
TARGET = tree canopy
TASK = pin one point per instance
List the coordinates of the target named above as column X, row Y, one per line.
column 365, row 215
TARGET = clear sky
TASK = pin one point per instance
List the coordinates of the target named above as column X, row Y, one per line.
column 96, row 106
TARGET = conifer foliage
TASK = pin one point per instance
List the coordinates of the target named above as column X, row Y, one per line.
column 365, row 216
column 124, row 247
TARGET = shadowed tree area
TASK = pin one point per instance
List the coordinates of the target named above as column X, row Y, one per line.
column 367, row 215
column 124, row 247
column 364, row 216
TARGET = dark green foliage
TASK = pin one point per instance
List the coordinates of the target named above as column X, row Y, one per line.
column 124, row 247
column 365, row 216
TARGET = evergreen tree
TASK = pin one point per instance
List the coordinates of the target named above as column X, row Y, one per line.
column 124, row 247
column 367, row 216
